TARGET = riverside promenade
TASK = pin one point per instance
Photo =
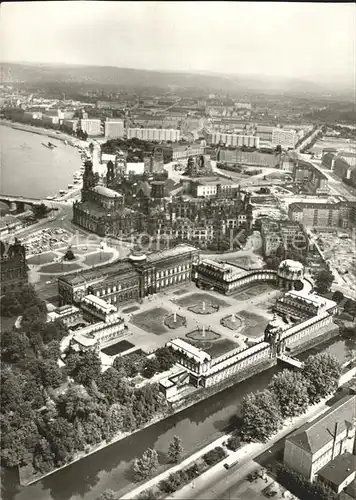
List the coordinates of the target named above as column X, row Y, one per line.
column 202, row 484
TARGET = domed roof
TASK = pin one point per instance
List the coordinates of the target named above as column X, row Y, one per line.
column 292, row 265
column 137, row 256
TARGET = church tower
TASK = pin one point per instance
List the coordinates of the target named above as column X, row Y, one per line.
column 110, row 174
column 89, row 180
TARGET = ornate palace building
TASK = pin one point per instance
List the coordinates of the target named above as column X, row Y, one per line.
column 130, row 279
column 13, row 266
column 305, row 317
column 101, row 209
column 227, row 278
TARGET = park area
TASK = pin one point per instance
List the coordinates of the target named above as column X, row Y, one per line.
column 53, row 262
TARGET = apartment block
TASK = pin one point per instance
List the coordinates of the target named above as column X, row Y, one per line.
column 321, row 214
column 285, row 138
column 154, row 134
column 114, row 129
column 91, row 126
column 235, row 140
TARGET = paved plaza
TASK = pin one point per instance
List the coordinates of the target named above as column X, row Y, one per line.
column 148, row 331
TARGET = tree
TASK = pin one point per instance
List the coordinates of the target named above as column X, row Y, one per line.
column 14, row 346
column 324, row 280
column 51, row 374
column 87, row 367
column 321, row 372
column 350, row 307
column 69, row 255
column 338, row 296
column 39, row 211
column 54, row 330
column 145, row 466
column 43, row 457
column 290, row 389
column 261, row 416
column 175, row 449
column 10, row 305
column 151, row 367
column 108, row 495
column 165, row 358
column 108, row 383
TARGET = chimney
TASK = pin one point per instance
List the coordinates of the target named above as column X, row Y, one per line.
column 334, row 441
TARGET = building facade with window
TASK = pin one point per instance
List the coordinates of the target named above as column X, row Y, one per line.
column 317, row 443
column 131, row 279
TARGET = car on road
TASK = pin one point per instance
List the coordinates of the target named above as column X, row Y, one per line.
column 48, row 282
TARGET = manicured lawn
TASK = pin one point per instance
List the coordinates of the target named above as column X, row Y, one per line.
column 117, row 348
column 93, row 259
column 215, row 347
column 42, row 258
column 253, row 324
column 199, row 336
column 151, row 321
column 58, row 268
column 199, row 298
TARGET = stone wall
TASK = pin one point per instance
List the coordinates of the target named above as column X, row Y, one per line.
column 330, row 332
column 242, row 375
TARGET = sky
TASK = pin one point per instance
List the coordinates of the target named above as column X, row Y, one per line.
column 308, row 41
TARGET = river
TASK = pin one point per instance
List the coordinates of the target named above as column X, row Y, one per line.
column 28, row 168
column 111, row 467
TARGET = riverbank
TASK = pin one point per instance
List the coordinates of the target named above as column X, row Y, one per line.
column 27, row 477
column 26, row 474
column 245, row 453
column 61, row 136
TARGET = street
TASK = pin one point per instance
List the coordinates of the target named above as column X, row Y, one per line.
column 220, row 484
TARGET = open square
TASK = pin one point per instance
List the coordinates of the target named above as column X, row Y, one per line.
column 252, row 291
column 117, row 348
column 197, row 299
column 151, row 321
column 130, row 309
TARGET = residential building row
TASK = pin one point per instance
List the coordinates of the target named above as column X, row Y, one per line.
column 322, row 215
column 253, row 158
column 234, row 140
column 154, row 134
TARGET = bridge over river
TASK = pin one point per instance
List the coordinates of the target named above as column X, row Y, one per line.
column 17, row 203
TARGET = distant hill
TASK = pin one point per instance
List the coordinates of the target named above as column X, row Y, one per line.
column 139, row 78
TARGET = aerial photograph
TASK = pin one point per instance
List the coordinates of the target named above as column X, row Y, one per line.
column 177, row 250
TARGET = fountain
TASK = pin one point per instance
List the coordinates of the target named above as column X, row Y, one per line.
column 203, row 305
column 175, row 317
column 203, row 332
